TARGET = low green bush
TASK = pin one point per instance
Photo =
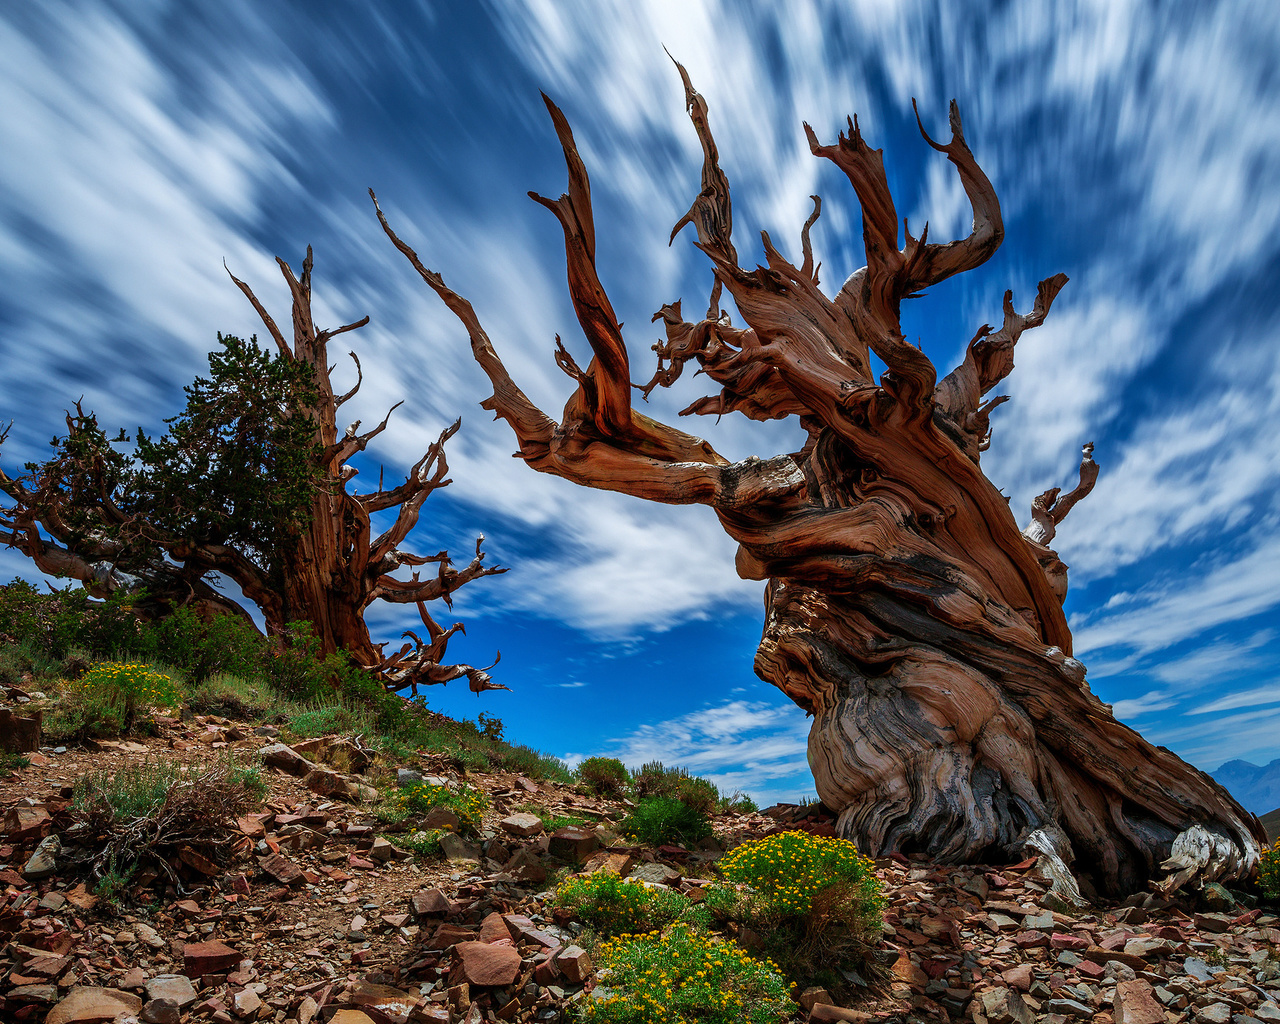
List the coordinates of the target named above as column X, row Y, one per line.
column 655, row 779
column 232, row 696
column 700, row 794
column 467, row 803
column 604, row 776
column 610, row 905
column 737, row 802
column 686, row 977
column 657, row 820
column 425, row 845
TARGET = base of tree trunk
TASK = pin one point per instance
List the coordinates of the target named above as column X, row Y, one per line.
column 936, row 739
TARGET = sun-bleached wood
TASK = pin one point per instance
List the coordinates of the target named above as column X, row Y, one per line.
column 904, row 608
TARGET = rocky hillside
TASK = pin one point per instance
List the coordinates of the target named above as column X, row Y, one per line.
column 315, row 907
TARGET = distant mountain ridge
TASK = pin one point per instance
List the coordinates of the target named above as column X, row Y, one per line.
column 1257, row 789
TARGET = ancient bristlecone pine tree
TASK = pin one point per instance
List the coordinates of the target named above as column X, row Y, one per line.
column 93, row 515
column 904, row 608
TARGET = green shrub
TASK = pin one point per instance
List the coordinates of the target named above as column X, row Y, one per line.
column 700, row 794
column 79, row 714
column 815, row 900
column 227, row 644
column 686, row 977
column 655, row 779
column 737, row 802
column 524, row 760
column 615, row 906
column 604, row 776
column 1269, row 873
column 661, row 819
column 467, row 803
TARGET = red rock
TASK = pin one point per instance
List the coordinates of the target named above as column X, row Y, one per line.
column 1032, row 940
column 572, row 844
column 24, row 824
column 1058, row 940
column 448, row 934
column 485, row 963
column 522, row 929
column 493, row 928
column 213, row 957
column 431, row 901
column 576, row 964
column 360, row 864
column 1019, row 977
column 283, row 870
column 1135, row 1003
column 524, row 825
column 825, row 1013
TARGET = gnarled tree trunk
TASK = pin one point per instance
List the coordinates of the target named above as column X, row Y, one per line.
column 904, row 609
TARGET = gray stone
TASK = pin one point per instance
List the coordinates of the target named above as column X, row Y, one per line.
column 44, row 861
column 1267, row 1011
column 1038, row 922
column 457, row 849
column 161, row 1011
column 284, row 757
column 1198, row 969
column 1069, row 1008
column 407, row 777
column 149, row 936
column 663, row 874
column 173, row 988
column 1005, row 1006
column 1214, row 1013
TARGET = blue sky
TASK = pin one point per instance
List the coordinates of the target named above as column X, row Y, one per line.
column 1135, row 147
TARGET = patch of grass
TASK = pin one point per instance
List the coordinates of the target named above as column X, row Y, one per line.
column 131, row 792
column 604, row 776
column 686, row 977
column 78, row 715
column 610, row 905
column 658, row 820
column 322, row 718
column 12, row 762
column 113, row 882
column 232, row 696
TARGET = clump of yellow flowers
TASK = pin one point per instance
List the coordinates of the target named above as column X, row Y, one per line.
column 1269, row 872
column 129, row 686
column 790, row 869
column 467, row 803
column 683, row 977
column 613, row 905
